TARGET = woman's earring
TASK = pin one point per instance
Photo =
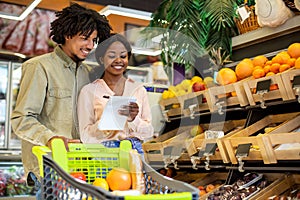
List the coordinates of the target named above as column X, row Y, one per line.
column 101, row 60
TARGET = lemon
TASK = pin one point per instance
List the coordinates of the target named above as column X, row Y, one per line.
column 196, row 79
column 186, row 83
column 101, row 182
column 165, row 94
column 208, row 79
column 172, row 88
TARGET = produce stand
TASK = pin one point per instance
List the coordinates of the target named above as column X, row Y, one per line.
column 253, row 135
column 97, row 161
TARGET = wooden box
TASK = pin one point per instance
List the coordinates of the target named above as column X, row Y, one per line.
column 288, row 78
column 277, row 93
column 214, row 178
column 283, row 143
column 155, row 149
column 281, row 186
column 177, row 106
column 254, row 134
column 193, row 145
column 228, row 96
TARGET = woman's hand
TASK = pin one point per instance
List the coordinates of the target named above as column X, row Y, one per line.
column 130, row 110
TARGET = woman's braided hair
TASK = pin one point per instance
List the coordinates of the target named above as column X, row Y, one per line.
column 76, row 19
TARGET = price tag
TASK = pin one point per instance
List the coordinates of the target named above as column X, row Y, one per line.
column 213, row 134
column 210, row 148
column 193, row 101
column 243, row 13
column 243, row 150
column 296, row 81
column 263, row 86
column 168, row 107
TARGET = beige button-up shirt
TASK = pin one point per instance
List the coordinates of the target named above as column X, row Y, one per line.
column 46, row 103
column 91, row 103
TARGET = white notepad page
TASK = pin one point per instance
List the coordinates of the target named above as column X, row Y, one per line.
column 111, row 119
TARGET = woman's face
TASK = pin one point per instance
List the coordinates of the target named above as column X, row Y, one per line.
column 115, row 59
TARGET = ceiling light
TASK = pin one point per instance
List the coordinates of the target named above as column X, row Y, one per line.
column 128, row 12
column 23, row 14
column 148, row 52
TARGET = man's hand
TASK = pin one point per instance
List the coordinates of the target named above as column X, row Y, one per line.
column 66, row 141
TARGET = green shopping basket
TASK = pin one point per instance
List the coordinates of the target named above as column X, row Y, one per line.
column 96, row 160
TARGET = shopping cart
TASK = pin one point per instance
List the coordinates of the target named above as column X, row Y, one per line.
column 96, row 160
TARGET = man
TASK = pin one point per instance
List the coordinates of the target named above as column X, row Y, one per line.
column 50, row 83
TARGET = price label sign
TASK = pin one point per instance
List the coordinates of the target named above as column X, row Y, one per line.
column 210, row 148
column 296, row 81
column 168, row 107
column 263, row 86
column 243, row 150
column 193, row 101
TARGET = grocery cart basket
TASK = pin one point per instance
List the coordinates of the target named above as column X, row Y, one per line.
column 96, row 160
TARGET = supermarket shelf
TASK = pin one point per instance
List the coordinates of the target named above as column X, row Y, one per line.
column 266, row 33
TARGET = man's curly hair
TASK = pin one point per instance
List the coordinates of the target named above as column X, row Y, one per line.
column 76, row 19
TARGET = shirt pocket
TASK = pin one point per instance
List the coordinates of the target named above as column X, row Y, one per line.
column 60, row 104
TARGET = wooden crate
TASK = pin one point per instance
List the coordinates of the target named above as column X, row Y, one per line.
column 254, row 98
column 204, row 106
column 154, row 149
column 211, row 178
column 288, row 80
column 167, row 105
column 283, row 143
column 234, row 94
column 251, row 135
column 193, row 145
column 278, row 187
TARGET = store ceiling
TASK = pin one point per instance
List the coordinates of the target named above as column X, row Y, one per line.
column 146, row 5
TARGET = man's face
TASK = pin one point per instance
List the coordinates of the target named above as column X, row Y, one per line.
column 79, row 46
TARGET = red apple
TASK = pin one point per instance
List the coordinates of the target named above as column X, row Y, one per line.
column 198, row 86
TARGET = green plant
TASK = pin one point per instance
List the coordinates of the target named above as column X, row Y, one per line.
column 208, row 23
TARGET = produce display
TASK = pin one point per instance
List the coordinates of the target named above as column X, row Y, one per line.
column 243, row 187
column 257, row 67
column 13, row 182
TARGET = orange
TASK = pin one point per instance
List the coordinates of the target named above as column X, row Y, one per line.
column 284, row 67
column 273, row 87
column 119, row 179
column 267, row 68
column 281, row 58
column 297, row 63
column 294, row 50
column 226, row 76
column 269, row 62
column 233, row 94
column 259, row 60
column 244, row 69
column 291, row 62
column 258, row 73
column 257, row 67
column 275, row 68
column 101, row 182
column 270, row 74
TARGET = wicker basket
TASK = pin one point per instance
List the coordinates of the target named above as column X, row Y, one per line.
column 249, row 24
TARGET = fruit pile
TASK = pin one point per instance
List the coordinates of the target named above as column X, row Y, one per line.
column 242, row 188
column 260, row 66
column 13, row 182
column 186, row 86
column 204, row 189
column 117, row 179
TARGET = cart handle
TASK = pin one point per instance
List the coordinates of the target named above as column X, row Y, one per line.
column 39, row 151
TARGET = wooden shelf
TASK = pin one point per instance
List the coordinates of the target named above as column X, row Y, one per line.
column 266, row 33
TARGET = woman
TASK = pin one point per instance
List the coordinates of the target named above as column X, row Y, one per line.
column 113, row 54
